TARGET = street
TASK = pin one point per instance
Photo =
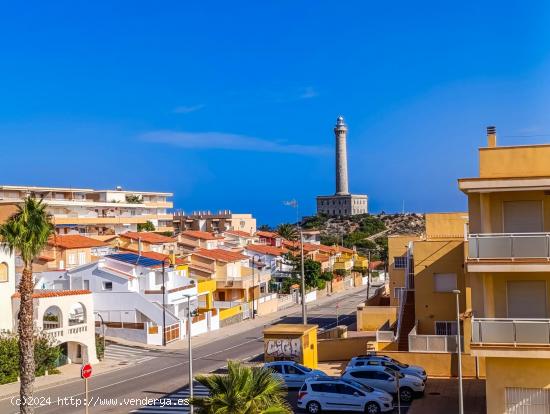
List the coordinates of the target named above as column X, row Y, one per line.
column 164, row 372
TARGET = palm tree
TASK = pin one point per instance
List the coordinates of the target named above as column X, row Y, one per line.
column 243, row 390
column 287, row 231
column 27, row 232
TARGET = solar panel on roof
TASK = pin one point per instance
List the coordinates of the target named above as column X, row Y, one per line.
column 135, row 259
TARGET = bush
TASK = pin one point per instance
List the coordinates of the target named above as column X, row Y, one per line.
column 147, row 226
column 46, row 355
column 321, row 284
column 99, row 348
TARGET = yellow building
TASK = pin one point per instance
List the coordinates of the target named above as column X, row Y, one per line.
column 508, row 265
column 93, row 212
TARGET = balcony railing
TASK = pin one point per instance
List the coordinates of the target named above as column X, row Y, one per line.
column 509, row 246
column 510, row 331
column 432, row 343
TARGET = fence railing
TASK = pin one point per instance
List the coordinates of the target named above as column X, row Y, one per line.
column 432, row 343
column 510, row 331
column 509, row 245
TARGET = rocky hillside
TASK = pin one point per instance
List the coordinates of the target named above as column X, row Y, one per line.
column 367, row 231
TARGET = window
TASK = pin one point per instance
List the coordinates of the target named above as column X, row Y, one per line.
column 445, row 327
column 82, row 258
column 317, row 387
column 444, row 282
column 397, row 292
column 363, row 374
column 330, row 388
column 3, row 272
column 86, row 284
column 277, row 368
column 107, row 285
column 375, row 363
column 71, row 259
column 346, row 389
column 291, row 369
column 400, row 262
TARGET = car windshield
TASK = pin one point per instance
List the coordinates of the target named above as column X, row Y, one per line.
column 399, row 364
column 305, row 369
column 359, row 385
column 393, row 372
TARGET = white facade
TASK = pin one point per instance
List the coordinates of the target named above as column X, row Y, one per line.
column 7, row 288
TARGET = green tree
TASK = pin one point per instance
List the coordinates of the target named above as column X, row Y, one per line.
column 243, row 390
column 27, row 232
column 312, row 269
column 288, row 231
column 147, row 226
column 288, row 282
column 134, row 199
column 264, row 227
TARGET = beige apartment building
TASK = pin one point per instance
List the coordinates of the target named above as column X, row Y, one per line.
column 94, row 212
column 219, row 222
column 508, row 266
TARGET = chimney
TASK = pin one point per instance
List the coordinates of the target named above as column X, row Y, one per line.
column 491, row 136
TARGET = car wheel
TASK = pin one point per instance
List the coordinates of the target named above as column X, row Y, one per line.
column 406, row 394
column 372, row 408
column 313, row 407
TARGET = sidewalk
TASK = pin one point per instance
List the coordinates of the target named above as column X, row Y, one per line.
column 67, row 373
column 240, row 327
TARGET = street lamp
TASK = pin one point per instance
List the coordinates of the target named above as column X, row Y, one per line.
column 460, row 394
column 164, row 299
column 190, row 352
column 253, row 287
column 102, row 330
column 303, row 282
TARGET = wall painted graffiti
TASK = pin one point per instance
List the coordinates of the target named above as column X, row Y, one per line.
column 279, row 348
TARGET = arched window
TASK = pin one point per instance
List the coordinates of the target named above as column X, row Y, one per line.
column 53, row 318
column 77, row 314
column 4, row 272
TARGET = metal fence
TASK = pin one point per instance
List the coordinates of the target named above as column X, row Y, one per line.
column 508, row 245
column 511, row 331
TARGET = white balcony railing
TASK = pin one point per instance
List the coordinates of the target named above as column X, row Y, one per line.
column 509, row 246
column 510, row 331
column 432, row 343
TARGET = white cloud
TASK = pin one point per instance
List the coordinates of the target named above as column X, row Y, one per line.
column 234, row 142
column 309, row 93
column 188, row 109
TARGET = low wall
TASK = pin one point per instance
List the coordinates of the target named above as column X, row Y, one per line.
column 267, row 307
column 342, row 349
column 230, row 312
column 440, row 364
column 334, row 333
column 134, row 335
column 311, row 296
column 370, row 318
column 231, row 320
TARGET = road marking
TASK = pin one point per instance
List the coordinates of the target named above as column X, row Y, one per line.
column 129, row 354
column 175, row 398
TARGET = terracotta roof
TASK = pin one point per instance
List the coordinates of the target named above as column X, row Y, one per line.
column 148, row 237
column 54, row 293
column 295, row 245
column 158, row 256
column 74, row 241
column 203, row 235
column 201, row 268
column 240, row 233
column 376, row 264
column 221, row 255
column 45, row 258
column 263, row 249
column 268, row 234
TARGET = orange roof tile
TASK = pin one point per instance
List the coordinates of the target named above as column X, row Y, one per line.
column 54, row 293
column 263, row 249
column 221, row 255
column 203, row 235
column 74, row 241
column 240, row 233
column 148, row 237
column 267, row 234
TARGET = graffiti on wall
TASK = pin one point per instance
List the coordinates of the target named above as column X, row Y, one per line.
column 279, row 348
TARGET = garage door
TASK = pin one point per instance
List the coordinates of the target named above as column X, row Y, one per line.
column 526, row 299
column 527, row 401
column 522, row 216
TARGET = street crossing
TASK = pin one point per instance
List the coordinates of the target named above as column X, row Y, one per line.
column 173, row 403
column 127, row 354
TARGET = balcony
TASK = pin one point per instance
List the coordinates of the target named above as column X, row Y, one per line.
column 509, row 252
column 530, row 338
column 432, row 343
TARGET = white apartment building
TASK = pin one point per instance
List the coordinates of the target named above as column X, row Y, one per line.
column 94, row 212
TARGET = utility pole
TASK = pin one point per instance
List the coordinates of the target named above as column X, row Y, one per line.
column 190, row 352
column 460, row 393
column 163, row 304
column 304, row 310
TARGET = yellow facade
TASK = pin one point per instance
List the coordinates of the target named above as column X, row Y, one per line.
column 291, row 342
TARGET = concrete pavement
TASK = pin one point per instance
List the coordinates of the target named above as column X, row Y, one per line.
column 113, row 392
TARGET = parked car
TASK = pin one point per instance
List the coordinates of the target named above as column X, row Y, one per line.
column 292, row 373
column 337, row 394
column 388, row 362
column 386, row 379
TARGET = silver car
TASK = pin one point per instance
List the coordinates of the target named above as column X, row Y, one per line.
column 293, row 374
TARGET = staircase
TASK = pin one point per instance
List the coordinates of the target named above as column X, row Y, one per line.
column 407, row 322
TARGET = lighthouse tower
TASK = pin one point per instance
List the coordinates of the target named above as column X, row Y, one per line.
column 341, row 132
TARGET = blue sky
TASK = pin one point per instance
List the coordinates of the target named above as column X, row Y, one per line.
column 231, row 105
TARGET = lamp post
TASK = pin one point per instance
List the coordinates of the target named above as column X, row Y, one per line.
column 303, row 282
column 102, row 330
column 190, row 351
column 253, row 287
column 460, row 392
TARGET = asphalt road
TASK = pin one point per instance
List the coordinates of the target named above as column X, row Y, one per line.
column 166, row 373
